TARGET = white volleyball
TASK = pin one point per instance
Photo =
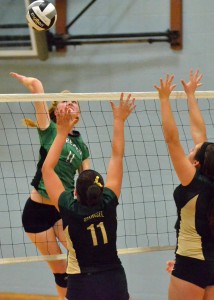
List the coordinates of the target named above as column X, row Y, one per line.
column 41, row 15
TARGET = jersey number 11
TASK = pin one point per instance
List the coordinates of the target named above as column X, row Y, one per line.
column 93, row 229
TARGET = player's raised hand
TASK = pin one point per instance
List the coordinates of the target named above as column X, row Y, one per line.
column 65, row 118
column 166, row 87
column 125, row 107
column 194, row 82
column 33, row 84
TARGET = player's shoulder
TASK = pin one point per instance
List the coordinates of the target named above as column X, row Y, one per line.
column 109, row 196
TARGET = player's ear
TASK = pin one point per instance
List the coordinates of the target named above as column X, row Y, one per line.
column 76, row 195
column 196, row 163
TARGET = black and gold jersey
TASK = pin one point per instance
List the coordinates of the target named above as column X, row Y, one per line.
column 91, row 233
column 194, row 236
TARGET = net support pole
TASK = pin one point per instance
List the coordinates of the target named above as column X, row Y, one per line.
column 41, row 44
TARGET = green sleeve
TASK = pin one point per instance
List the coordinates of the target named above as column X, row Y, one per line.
column 66, row 200
column 110, row 197
column 48, row 135
column 84, row 149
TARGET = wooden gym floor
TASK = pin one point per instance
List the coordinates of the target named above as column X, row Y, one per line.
column 13, row 296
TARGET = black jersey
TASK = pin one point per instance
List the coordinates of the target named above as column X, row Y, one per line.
column 194, row 236
column 91, row 233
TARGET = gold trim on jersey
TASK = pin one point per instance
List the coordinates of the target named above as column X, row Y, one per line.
column 73, row 266
column 189, row 241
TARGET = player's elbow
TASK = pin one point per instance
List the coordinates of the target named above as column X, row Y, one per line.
column 171, row 137
column 117, row 154
column 45, row 170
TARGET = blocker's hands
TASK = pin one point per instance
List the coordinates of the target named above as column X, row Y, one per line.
column 65, row 119
column 125, row 107
column 166, row 87
column 194, row 82
column 170, row 266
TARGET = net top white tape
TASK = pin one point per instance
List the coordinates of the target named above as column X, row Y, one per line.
column 97, row 96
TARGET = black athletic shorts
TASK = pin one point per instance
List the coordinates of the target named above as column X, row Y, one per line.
column 106, row 285
column 38, row 217
column 196, row 271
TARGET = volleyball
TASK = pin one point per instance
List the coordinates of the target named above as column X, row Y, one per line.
column 41, row 15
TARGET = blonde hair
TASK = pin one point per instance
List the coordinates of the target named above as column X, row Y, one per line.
column 33, row 124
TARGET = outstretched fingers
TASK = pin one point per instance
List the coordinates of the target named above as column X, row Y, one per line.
column 113, row 105
column 66, row 120
column 183, row 83
column 157, row 87
column 128, row 98
column 129, row 102
column 194, row 82
column 17, row 76
column 196, row 77
column 125, row 107
column 171, row 79
column 166, row 79
column 166, row 86
column 132, row 104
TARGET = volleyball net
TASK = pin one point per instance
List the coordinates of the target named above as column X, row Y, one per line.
column 146, row 214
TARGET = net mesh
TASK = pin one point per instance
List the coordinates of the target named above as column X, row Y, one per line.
column 146, row 214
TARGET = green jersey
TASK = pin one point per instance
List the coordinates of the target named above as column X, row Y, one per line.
column 91, row 233
column 73, row 154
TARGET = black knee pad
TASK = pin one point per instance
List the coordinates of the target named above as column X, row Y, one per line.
column 61, row 279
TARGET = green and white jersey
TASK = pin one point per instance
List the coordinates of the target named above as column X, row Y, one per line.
column 91, row 233
column 73, row 154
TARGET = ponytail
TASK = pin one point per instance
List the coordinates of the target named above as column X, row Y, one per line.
column 89, row 188
column 93, row 195
column 34, row 124
column 30, row 123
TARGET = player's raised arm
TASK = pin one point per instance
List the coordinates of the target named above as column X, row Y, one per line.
column 197, row 125
column 115, row 167
column 65, row 122
column 35, row 86
column 193, row 198
column 183, row 167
